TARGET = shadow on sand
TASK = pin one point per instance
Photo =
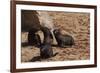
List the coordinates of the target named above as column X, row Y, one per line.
column 37, row 58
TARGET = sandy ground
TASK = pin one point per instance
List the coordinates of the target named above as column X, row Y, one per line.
column 76, row 25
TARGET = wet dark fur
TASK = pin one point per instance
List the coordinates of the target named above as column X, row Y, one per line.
column 48, row 38
column 34, row 39
column 46, row 49
column 63, row 40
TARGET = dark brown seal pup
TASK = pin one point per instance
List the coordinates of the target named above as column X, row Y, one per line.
column 63, row 40
column 46, row 49
column 48, row 38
